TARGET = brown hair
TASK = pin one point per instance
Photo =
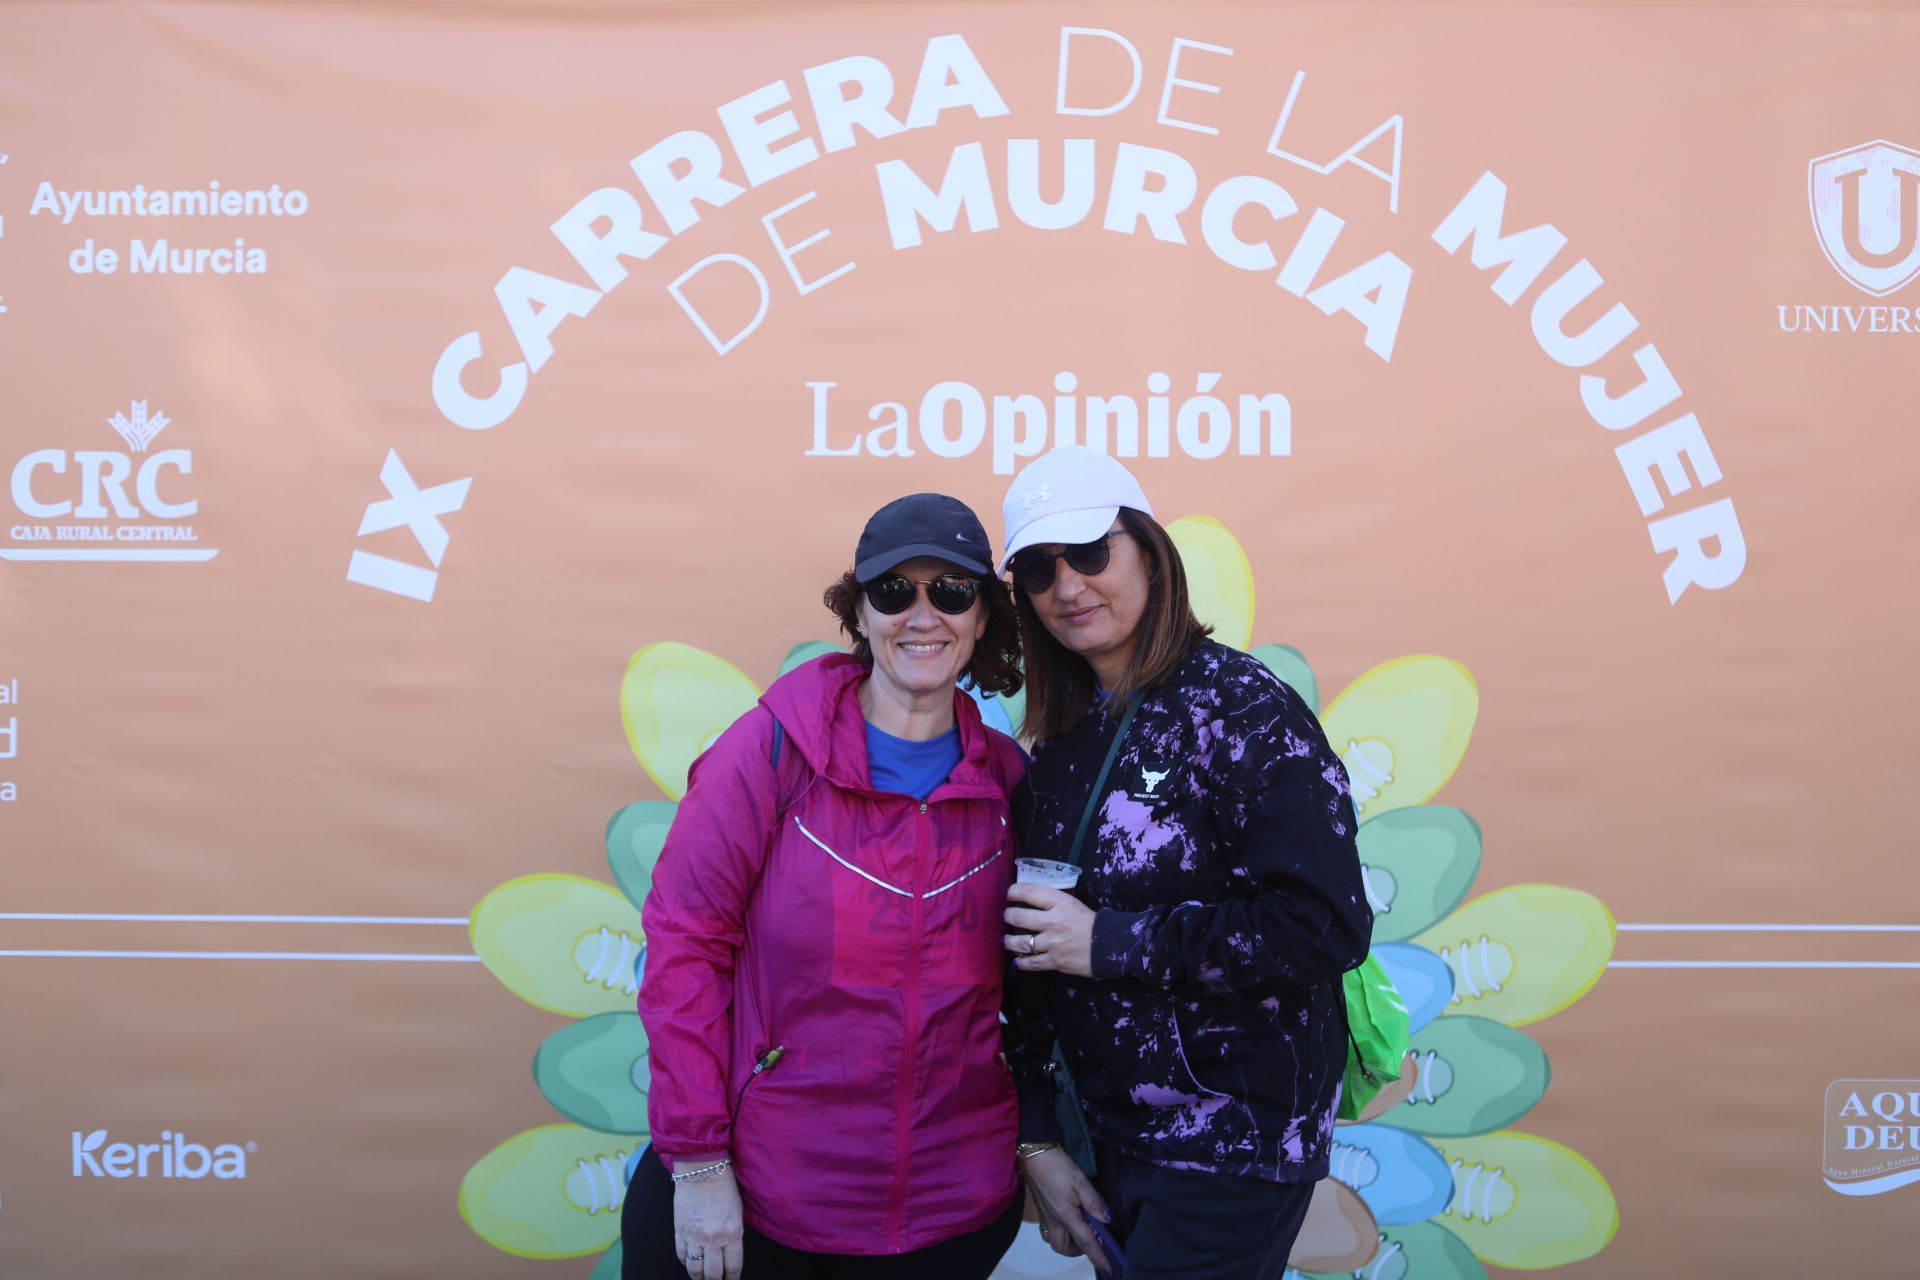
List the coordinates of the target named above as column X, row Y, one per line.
column 1060, row 683
column 995, row 665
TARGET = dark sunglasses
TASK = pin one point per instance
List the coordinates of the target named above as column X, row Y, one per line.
column 949, row 593
column 1033, row 569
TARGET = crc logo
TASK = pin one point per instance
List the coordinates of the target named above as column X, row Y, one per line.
column 103, row 475
column 1866, row 213
column 1872, row 1136
column 174, row 1156
column 134, row 497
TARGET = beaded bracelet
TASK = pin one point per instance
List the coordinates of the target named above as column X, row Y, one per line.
column 704, row 1172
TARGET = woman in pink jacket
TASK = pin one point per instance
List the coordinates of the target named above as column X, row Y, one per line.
column 822, row 984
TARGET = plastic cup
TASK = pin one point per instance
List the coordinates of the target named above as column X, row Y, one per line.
column 1055, row 875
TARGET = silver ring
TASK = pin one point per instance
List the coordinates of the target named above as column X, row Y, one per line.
column 695, row 1257
column 1029, row 944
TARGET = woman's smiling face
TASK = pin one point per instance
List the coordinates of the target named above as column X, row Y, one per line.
column 921, row 651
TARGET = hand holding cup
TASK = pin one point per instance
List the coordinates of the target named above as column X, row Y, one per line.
column 1053, row 929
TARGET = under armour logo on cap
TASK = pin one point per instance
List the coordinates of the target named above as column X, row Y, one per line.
column 1069, row 495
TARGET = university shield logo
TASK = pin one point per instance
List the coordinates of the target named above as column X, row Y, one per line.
column 1866, row 214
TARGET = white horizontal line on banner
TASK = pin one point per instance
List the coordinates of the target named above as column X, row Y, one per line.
column 237, row 955
column 1763, row 964
column 139, row 918
column 1769, row 928
column 102, row 554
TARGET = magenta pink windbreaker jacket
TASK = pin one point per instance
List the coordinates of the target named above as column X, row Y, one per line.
column 859, row 931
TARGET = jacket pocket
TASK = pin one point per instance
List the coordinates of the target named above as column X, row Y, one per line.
column 1274, row 1057
column 1186, row 1064
column 1142, row 1064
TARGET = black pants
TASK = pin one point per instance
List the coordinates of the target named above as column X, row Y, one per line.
column 1177, row 1223
column 646, row 1234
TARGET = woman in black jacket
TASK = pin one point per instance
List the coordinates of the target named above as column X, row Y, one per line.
column 1193, row 977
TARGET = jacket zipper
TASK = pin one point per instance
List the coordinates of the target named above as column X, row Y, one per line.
column 903, row 1106
column 761, row 1064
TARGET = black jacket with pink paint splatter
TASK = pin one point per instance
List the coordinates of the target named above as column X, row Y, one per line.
column 1222, row 865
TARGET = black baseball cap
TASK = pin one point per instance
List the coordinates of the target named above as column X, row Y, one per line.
column 922, row 524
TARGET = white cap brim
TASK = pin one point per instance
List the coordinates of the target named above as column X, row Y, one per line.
column 1063, row 527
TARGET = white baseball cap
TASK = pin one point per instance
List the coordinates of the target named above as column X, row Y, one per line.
column 1069, row 495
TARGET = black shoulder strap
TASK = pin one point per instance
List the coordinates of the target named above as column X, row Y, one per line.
column 789, row 781
column 1100, row 781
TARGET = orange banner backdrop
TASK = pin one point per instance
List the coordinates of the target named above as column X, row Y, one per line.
column 427, row 425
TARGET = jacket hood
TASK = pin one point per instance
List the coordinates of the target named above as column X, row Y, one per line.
column 818, row 706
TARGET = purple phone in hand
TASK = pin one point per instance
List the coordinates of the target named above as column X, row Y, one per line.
column 1108, row 1246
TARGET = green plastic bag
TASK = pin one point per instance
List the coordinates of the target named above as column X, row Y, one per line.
column 1378, row 1036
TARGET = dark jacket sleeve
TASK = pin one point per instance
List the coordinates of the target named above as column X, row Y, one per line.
column 1028, row 1035
column 1286, row 826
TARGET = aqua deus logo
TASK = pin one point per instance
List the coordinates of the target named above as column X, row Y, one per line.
column 1872, row 1136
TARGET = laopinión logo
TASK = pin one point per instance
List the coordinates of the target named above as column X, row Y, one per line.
column 1865, row 203
column 106, row 504
column 1872, row 1136
column 173, row 1156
